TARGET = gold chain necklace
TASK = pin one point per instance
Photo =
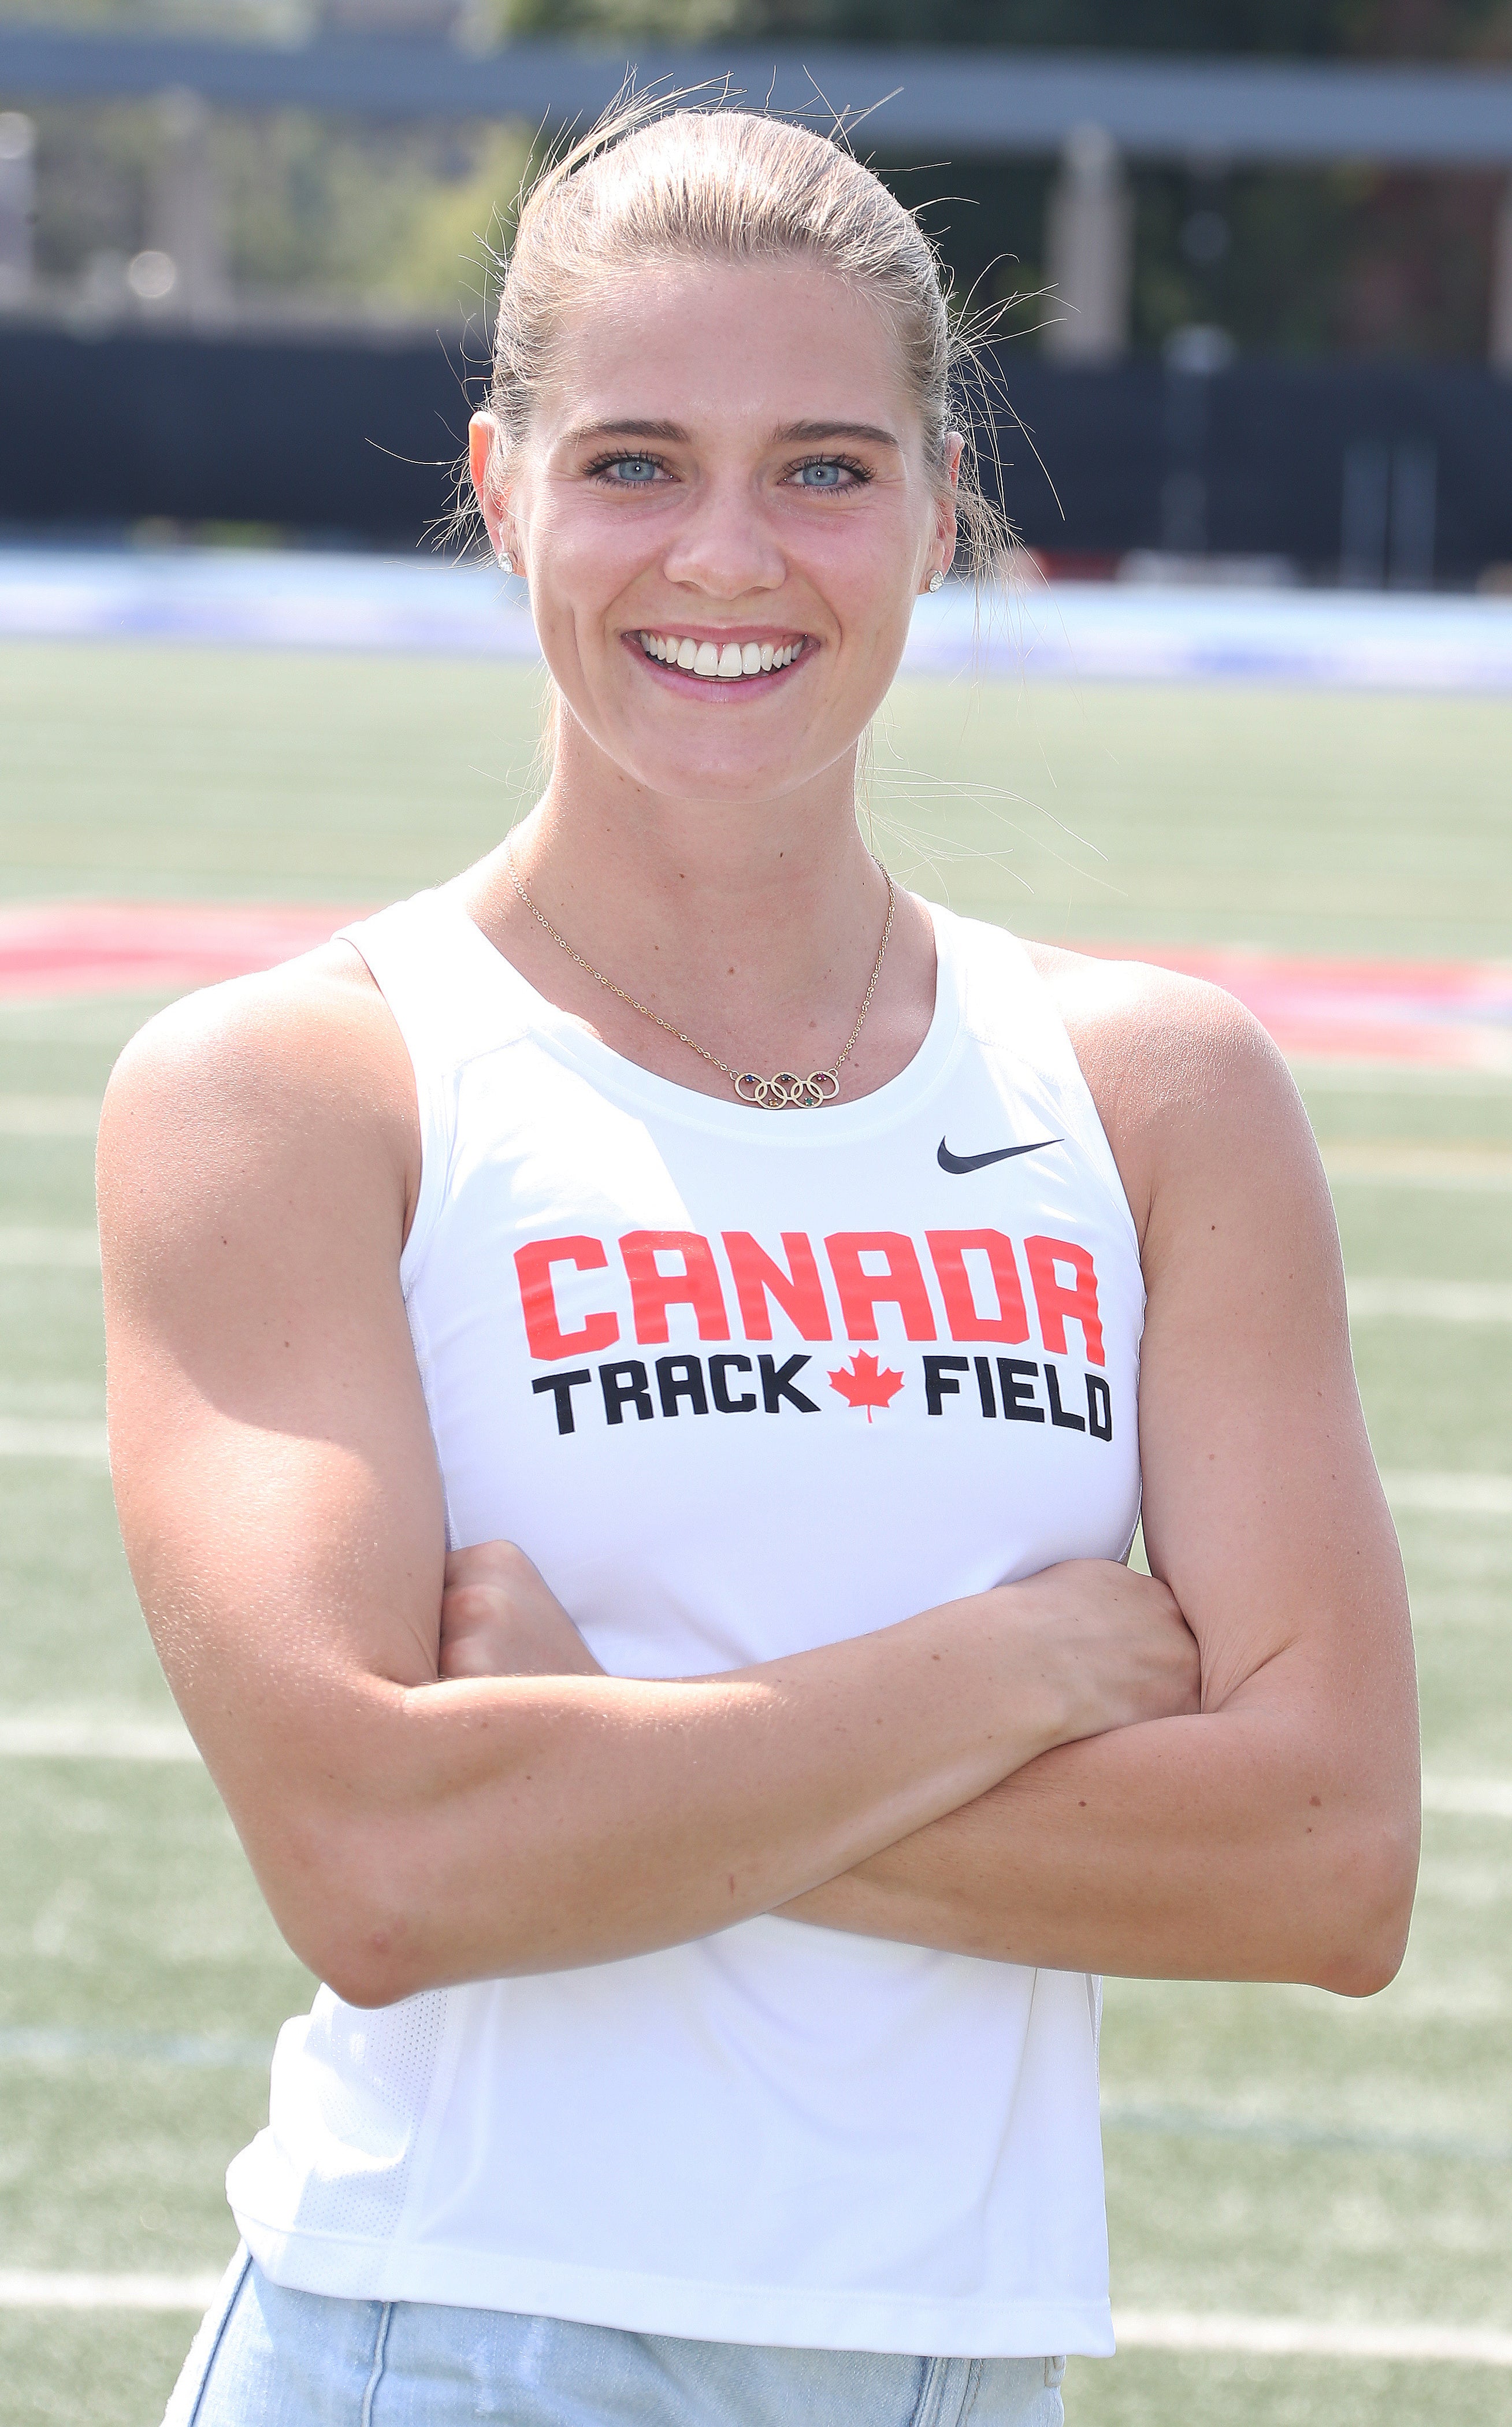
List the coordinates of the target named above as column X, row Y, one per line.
column 786, row 1090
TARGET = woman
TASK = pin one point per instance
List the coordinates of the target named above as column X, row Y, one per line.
column 631, row 1385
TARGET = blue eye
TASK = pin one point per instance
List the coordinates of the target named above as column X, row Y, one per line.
column 820, row 476
column 632, row 471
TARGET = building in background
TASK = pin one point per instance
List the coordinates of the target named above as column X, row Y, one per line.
column 1181, row 217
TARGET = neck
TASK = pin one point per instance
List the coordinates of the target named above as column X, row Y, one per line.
column 644, row 884
column 752, row 926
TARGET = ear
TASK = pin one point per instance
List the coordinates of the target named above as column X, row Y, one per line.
column 954, row 448
column 483, row 438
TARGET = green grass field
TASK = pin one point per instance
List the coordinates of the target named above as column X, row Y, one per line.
column 1271, row 2151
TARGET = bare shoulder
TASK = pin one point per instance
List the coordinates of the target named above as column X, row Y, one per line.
column 300, row 1067
column 1190, row 1088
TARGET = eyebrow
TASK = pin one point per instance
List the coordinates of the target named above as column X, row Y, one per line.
column 808, row 433
column 795, row 433
column 671, row 431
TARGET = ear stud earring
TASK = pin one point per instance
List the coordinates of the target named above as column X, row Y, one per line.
column 507, row 562
column 937, row 579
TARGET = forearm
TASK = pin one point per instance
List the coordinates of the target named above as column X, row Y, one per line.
column 522, row 1824
column 1237, row 1845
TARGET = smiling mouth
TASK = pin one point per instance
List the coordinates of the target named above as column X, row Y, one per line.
column 732, row 662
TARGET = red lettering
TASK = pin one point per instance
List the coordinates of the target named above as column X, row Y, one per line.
column 542, row 1328
column 1056, row 1302
column 799, row 1290
column 967, row 1322
column 902, row 1285
column 653, row 1291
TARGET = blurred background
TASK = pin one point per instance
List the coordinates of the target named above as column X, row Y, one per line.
column 1256, row 257
column 1245, row 709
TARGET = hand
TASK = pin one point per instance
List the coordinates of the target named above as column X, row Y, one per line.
column 498, row 1619
column 1111, row 1641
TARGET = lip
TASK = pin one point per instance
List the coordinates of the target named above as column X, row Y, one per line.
column 677, row 679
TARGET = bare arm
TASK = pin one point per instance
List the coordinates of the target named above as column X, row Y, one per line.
column 1274, row 1835
column 283, row 1514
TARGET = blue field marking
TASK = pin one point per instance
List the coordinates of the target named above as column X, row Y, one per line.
column 1044, row 632
column 57, row 2045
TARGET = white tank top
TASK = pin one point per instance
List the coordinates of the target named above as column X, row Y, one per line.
column 741, row 1383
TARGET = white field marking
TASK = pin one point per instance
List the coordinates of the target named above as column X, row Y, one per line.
column 1370, row 1165
column 1447, row 1495
column 1431, row 1301
column 1451, row 1495
column 1308, row 2337
column 1338, row 1075
column 89, row 1735
column 54, row 1437
column 100, row 1735
column 1136, row 2329
column 49, row 1116
column 29, row 2288
column 33, row 1243
column 1477, row 1799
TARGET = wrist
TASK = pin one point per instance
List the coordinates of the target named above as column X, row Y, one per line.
column 1044, row 1676
column 1017, row 1689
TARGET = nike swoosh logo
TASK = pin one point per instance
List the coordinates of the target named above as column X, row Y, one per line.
column 959, row 1163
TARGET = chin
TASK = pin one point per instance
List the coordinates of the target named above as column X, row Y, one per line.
column 729, row 775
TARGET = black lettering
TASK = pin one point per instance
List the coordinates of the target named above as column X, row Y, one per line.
column 681, row 1377
column 718, row 1368
column 777, row 1385
column 1058, row 1414
column 624, row 1386
column 1016, row 1377
column 1100, row 1408
column 984, row 1366
column 563, row 1385
column 941, row 1383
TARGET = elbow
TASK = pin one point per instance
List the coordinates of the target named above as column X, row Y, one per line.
column 1363, row 1930
column 369, row 1946
column 369, row 1986
column 364, row 1961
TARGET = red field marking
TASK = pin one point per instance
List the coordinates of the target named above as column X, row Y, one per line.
column 1451, row 1015
column 1442, row 1013
column 163, row 948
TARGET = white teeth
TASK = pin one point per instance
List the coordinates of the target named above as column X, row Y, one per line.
column 727, row 662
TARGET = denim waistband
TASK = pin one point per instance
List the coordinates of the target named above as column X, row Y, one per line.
column 269, row 2356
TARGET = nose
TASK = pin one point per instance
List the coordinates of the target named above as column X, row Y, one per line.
column 723, row 544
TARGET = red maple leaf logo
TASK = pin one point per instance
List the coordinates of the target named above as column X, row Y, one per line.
column 866, row 1384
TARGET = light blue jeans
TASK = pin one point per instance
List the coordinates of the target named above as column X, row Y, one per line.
column 267, row 2358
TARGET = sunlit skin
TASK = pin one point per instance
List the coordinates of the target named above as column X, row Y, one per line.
column 669, row 485
column 1210, row 1772
column 730, row 454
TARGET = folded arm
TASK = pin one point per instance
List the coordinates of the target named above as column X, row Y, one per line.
column 283, row 1513
column 1274, row 1835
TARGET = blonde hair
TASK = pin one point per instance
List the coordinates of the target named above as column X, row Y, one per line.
column 655, row 180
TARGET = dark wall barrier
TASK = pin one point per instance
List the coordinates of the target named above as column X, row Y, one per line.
column 1389, row 472
column 324, row 434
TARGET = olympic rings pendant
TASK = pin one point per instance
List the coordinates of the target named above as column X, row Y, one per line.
column 785, row 1091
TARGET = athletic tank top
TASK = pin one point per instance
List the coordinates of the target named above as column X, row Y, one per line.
column 740, row 1382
